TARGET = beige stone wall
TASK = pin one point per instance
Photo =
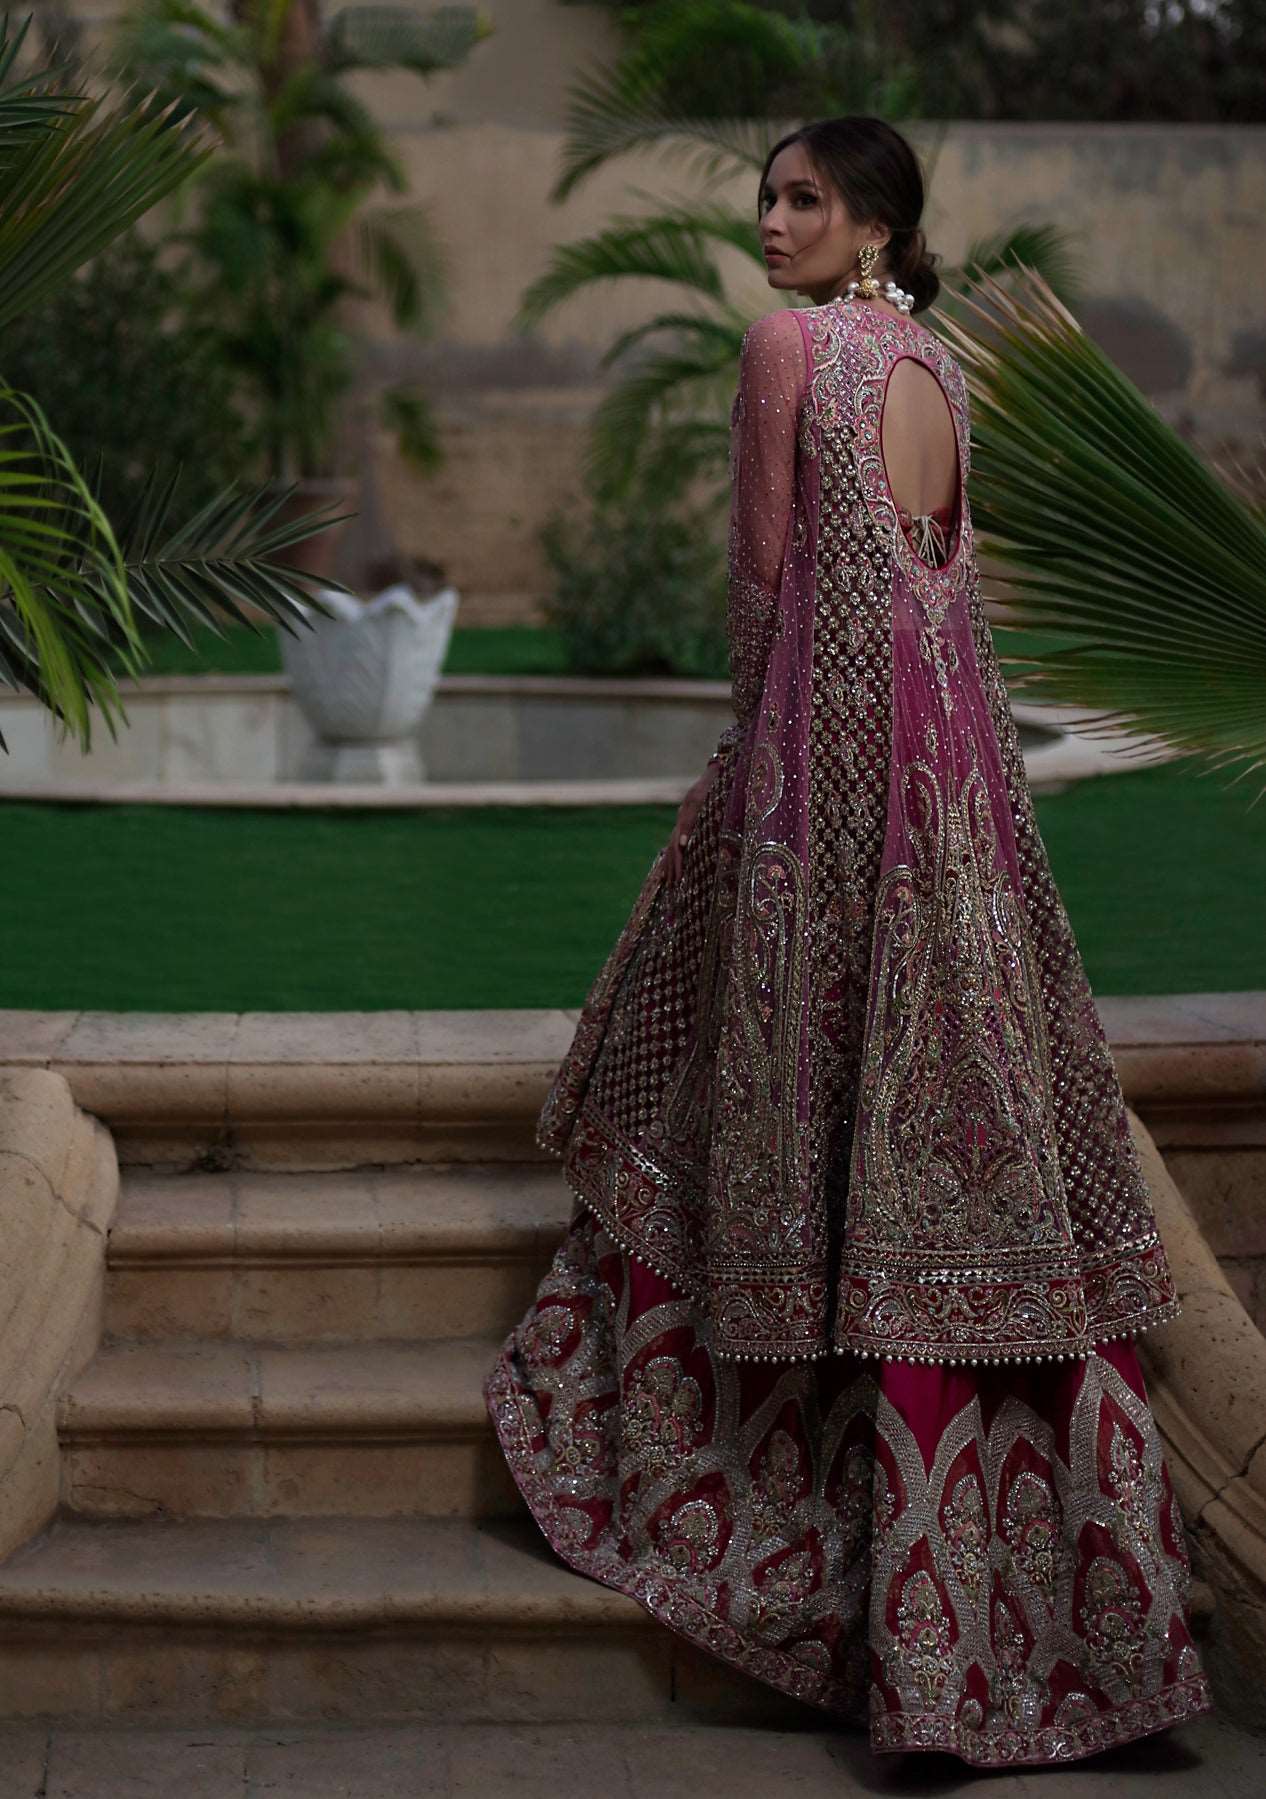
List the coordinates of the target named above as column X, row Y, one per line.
column 1206, row 1380
column 58, row 1190
column 1168, row 218
column 1173, row 257
column 1223, row 1187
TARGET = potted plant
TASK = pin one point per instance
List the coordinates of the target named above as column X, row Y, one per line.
column 76, row 589
column 290, row 229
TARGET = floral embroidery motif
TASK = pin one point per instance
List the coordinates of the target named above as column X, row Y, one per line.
column 1030, row 1526
column 776, row 1486
column 791, row 1082
column 827, row 1526
column 920, row 1664
column 662, row 1414
column 966, row 1526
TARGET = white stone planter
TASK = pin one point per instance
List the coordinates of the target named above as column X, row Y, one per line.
column 363, row 680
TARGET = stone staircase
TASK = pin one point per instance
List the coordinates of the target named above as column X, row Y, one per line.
column 281, row 1506
column 281, row 1499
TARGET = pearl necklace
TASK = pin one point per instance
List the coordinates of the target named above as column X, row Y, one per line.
column 896, row 296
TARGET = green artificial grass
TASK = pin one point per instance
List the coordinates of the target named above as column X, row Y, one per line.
column 476, row 650
column 472, row 650
column 161, row 909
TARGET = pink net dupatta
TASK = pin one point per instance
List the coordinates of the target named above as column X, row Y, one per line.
column 766, row 1250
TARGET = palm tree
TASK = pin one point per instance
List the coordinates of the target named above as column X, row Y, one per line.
column 290, row 223
column 1144, row 571
column 667, row 413
column 74, row 174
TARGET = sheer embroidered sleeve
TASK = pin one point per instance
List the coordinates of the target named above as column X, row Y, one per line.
column 772, row 375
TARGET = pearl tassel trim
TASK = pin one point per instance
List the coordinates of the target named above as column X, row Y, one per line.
column 1162, row 1316
column 895, row 296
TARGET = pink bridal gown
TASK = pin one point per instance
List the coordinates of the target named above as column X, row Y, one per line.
column 833, row 1370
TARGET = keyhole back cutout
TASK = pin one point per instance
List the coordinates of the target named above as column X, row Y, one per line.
column 918, row 441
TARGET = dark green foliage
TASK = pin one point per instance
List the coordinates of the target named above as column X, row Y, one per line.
column 1199, row 60
column 639, row 589
column 1112, row 535
column 113, row 357
column 472, row 650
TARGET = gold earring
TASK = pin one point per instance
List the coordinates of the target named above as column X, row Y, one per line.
column 867, row 257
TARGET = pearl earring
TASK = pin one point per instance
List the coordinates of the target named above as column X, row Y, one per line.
column 868, row 288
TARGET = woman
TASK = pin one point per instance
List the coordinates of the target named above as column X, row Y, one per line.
column 833, row 1371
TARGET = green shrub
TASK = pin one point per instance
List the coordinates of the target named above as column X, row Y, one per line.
column 639, row 590
column 115, row 362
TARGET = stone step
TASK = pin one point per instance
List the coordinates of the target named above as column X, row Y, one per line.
column 217, row 1429
column 431, row 1251
column 355, row 1619
column 304, row 1089
column 349, row 1089
column 631, row 1761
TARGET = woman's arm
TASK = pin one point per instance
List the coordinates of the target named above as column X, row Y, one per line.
column 763, row 425
column 772, row 376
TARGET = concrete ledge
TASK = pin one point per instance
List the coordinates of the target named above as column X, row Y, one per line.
column 139, row 1391
column 218, row 1429
column 517, row 1761
column 301, row 1574
column 314, row 1089
column 461, row 1215
column 58, row 1188
column 326, row 796
column 240, row 740
column 305, row 1089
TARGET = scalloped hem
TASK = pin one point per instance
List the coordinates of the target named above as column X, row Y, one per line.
column 1050, row 1746
column 680, row 1611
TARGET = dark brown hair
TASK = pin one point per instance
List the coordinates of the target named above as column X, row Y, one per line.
column 878, row 176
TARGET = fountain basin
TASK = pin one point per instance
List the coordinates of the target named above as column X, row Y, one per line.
column 538, row 739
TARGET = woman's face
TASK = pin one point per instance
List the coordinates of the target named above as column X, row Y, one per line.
column 809, row 237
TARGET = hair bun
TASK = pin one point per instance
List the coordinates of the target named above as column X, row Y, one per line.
column 914, row 266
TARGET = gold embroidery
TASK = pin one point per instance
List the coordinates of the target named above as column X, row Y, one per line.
column 961, row 1173
column 792, row 1521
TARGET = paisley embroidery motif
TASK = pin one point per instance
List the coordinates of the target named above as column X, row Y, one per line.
column 828, row 1526
column 793, row 1083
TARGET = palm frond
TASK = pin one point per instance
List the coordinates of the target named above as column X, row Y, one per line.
column 403, row 258
column 181, row 53
column 408, row 412
column 29, row 104
column 687, row 453
column 1145, row 571
column 73, row 590
column 220, row 563
column 689, row 380
column 675, row 245
column 608, row 117
column 69, row 190
column 723, row 332
column 1047, row 249
column 65, row 611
